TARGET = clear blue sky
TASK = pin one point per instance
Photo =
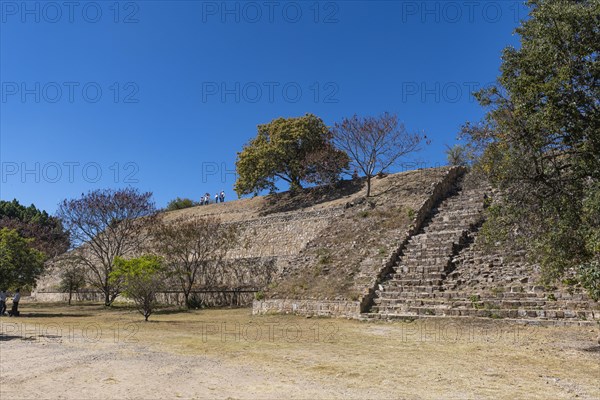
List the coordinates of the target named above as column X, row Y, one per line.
column 161, row 95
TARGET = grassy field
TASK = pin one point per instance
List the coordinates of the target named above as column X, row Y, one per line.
column 86, row 351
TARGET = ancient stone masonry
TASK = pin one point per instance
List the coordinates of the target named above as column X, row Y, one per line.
column 323, row 308
column 492, row 282
column 413, row 249
column 439, row 267
column 344, row 261
column 438, row 192
column 264, row 243
column 280, row 235
column 425, row 260
column 445, row 271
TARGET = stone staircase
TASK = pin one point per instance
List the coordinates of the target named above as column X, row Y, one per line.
column 443, row 271
column 419, row 275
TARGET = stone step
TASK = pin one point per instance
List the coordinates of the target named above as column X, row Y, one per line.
column 459, row 205
column 402, row 270
column 424, row 261
column 487, row 294
column 430, row 274
column 461, row 218
column 428, row 249
column 590, row 317
column 423, row 250
column 503, row 313
column 450, row 335
column 390, row 303
column 442, row 223
column 414, row 281
column 413, row 289
column 482, row 304
column 439, row 235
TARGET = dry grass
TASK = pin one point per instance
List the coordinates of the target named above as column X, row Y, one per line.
column 219, row 353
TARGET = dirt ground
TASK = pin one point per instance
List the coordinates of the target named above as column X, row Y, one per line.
column 87, row 352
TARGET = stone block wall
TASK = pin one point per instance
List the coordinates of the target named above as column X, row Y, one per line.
column 265, row 243
column 323, row 308
column 280, row 235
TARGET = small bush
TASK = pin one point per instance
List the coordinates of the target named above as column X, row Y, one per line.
column 180, row 204
column 324, row 256
column 194, row 302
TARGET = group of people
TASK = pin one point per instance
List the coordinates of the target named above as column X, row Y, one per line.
column 14, row 312
column 219, row 197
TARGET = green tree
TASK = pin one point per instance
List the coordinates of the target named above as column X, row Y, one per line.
column 542, row 132
column 180, row 204
column 47, row 232
column 20, row 264
column 288, row 149
column 141, row 279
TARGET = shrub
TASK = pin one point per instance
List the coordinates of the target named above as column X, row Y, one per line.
column 141, row 278
column 180, row 204
column 589, row 276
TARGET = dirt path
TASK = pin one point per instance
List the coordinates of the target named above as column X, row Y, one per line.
column 113, row 371
column 87, row 353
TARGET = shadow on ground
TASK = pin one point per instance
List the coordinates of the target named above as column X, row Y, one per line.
column 6, row 338
column 593, row 349
column 288, row 201
column 49, row 315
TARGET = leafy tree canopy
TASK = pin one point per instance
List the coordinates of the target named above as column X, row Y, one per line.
column 20, row 264
column 288, row 149
column 141, row 278
column 46, row 231
column 542, row 133
column 180, row 204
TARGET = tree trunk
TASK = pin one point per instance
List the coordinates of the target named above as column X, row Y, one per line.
column 70, row 295
column 106, row 298
column 186, row 294
column 368, row 185
column 295, row 186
